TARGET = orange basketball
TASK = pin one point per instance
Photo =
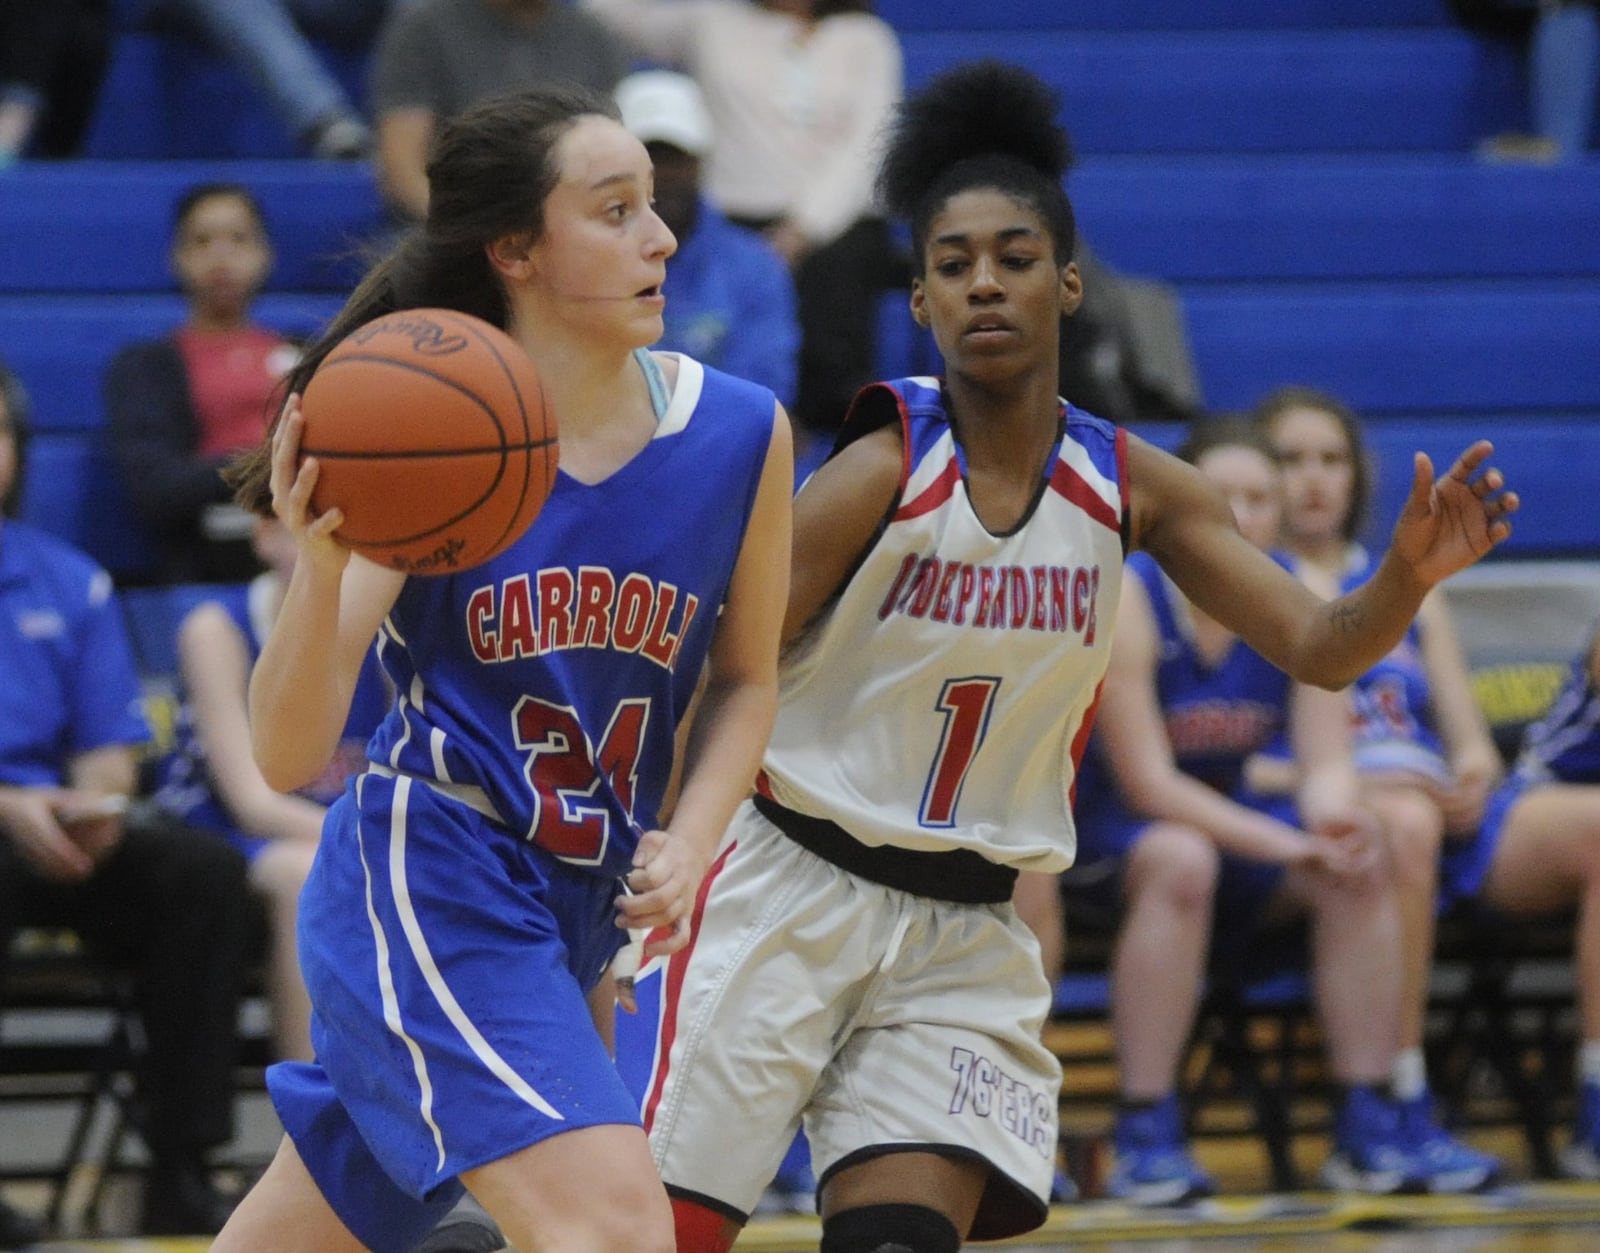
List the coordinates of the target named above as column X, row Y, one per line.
column 432, row 433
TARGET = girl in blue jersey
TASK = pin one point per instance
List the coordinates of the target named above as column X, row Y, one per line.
column 474, row 883
column 1172, row 832
column 1426, row 758
column 1538, row 851
column 211, row 780
column 864, row 966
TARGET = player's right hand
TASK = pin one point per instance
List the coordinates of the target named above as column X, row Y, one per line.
column 293, row 480
column 665, row 878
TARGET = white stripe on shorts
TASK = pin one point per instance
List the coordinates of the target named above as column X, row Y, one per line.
column 430, row 971
column 391, row 1004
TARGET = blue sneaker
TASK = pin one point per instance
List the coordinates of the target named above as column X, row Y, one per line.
column 1154, row 1166
column 1369, row 1149
column 1581, row 1158
column 1444, row 1163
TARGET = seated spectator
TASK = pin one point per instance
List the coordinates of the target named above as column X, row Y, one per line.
column 436, row 57
column 212, row 781
column 1166, row 822
column 730, row 300
column 1423, row 750
column 167, row 903
column 1125, row 353
column 1562, row 38
column 1538, row 851
column 180, row 406
column 53, row 56
column 799, row 92
column 271, row 43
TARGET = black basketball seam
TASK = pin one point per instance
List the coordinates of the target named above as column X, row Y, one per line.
column 522, row 412
column 353, row 357
column 402, row 454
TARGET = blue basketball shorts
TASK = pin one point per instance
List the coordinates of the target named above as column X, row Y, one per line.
column 447, row 962
column 1463, row 867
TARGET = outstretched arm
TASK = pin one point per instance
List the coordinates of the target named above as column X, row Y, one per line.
column 1446, row 525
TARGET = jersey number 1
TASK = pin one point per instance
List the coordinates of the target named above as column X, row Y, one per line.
column 565, row 773
column 966, row 705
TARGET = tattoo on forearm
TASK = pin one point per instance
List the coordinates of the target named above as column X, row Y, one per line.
column 1346, row 618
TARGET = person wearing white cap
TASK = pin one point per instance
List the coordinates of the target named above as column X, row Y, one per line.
column 800, row 92
column 730, row 300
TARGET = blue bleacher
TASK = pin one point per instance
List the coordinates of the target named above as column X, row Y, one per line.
column 60, row 345
column 1301, row 170
column 1269, row 219
column 118, row 216
column 182, row 102
column 909, row 16
column 1452, row 348
column 1256, row 91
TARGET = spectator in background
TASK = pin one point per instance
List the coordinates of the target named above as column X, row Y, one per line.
column 1125, row 354
column 212, row 781
column 1538, row 851
column 1422, row 747
column 270, row 41
column 1562, row 38
column 799, row 92
column 180, row 406
column 1170, row 832
column 730, row 300
column 436, row 57
column 53, row 55
column 151, row 895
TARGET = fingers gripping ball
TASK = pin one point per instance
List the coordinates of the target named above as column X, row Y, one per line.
column 434, row 438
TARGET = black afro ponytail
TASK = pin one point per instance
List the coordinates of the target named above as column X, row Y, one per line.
column 983, row 124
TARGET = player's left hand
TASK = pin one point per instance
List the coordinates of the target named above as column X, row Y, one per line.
column 1449, row 523
column 665, row 877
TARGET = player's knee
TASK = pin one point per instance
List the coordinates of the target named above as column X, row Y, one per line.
column 701, row 1229
column 889, row 1229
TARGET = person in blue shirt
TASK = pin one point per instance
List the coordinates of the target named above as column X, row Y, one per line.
column 730, row 299
column 168, row 903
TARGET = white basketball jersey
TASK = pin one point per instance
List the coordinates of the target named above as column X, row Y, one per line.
column 944, row 701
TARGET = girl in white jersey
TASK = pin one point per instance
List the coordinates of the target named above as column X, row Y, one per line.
column 856, row 963
column 473, row 884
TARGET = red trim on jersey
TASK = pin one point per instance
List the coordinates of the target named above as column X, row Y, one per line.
column 1123, row 487
column 1067, row 482
column 1080, row 740
column 934, row 495
column 764, row 785
column 672, row 985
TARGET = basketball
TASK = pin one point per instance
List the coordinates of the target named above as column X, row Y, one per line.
column 432, row 434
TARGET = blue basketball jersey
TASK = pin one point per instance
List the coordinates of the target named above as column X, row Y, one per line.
column 1392, row 705
column 545, row 686
column 186, row 788
column 1216, row 713
column 1564, row 745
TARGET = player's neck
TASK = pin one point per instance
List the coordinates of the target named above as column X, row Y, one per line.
column 602, row 407
column 1007, row 426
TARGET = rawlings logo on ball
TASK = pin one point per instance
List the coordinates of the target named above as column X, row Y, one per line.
column 426, row 336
